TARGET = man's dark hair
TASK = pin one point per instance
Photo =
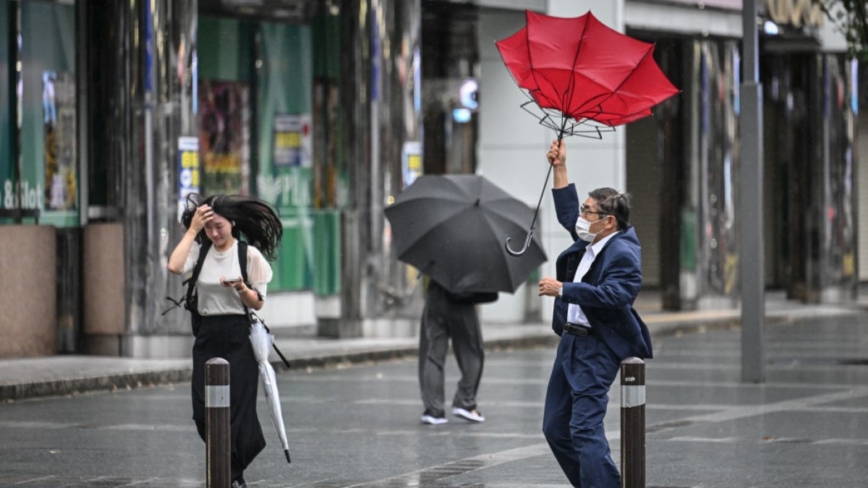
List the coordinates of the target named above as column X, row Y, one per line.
column 614, row 203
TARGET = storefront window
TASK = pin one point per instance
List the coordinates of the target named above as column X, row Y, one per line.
column 285, row 77
column 49, row 178
column 255, row 127
column 224, row 108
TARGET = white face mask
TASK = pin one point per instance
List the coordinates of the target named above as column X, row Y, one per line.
column 583, row 229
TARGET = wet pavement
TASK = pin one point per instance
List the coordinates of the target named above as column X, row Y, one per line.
column 358, row 426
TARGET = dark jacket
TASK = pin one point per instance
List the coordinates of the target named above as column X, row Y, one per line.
column 608, row 289
column 435, row 289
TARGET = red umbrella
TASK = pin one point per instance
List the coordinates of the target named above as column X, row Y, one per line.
column 582, row 77
column 580, row 69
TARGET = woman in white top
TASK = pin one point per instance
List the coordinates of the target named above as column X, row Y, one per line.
column 219, row 314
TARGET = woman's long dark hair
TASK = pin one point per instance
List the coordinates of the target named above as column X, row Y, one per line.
column 256, row 220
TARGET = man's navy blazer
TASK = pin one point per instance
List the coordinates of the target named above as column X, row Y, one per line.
column 607, row 291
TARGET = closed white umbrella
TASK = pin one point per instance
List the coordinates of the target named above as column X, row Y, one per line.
column 262, row 342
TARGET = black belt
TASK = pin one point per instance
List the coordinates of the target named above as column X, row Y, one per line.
column 577, row 329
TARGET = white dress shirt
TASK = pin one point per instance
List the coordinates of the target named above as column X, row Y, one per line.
column 574, row 312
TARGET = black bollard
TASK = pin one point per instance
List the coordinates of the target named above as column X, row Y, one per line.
column 633, row 423
column 218, row 433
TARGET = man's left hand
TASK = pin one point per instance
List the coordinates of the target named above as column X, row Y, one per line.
column 549, row 287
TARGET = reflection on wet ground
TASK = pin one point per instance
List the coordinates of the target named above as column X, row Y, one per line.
column 807, row 426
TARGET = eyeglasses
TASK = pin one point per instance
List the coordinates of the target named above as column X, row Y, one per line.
column 584, row 210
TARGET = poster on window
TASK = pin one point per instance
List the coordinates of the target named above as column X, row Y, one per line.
column 58, row 110
column 224, row 137
column 292, row 140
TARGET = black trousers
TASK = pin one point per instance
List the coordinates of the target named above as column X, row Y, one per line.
column 227, row 337
column 443, row 320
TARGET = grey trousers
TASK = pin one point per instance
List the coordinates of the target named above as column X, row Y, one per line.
column 442, row 320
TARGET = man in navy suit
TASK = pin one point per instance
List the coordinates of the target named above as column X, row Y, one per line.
column 598, row 278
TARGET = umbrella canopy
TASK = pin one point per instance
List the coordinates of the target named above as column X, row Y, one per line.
column 262, row 341
column 580, row 69
column 582, row 77
column 451, row 228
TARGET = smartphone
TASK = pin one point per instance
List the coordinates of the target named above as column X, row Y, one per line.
column 232, row 281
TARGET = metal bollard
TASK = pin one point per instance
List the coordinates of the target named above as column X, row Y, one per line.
column 218, row 433
column 632, row 423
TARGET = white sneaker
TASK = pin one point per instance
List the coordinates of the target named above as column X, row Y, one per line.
column 431, row 420
column 472, row 415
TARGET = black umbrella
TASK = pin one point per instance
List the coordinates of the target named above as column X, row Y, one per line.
column 451, row 227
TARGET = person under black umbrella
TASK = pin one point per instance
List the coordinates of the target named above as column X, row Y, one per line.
column 451, row 228
column 450, row 316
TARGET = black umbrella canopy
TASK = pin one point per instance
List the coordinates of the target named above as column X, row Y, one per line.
column 452, row 228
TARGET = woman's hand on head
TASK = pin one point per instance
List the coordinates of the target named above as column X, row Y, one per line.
column 203, row 215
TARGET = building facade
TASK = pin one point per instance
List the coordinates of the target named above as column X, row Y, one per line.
column 115, row 111
column 681, row 166
column 112, row 112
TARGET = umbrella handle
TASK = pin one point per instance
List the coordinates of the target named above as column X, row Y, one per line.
column 524, row 249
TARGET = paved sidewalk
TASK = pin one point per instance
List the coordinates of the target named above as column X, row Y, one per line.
column 70, row 374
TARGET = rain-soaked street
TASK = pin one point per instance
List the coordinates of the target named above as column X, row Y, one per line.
column 359, row 426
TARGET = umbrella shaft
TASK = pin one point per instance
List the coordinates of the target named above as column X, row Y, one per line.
column 533, row 222
column 539, row 202
column 548, row 175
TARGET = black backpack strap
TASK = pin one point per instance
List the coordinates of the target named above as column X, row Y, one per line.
column 191, row 281
column 177, row 303
column 242, row 261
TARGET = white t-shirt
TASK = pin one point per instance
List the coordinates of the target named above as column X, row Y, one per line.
column 216, row 299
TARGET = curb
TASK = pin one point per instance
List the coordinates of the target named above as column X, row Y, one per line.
column 75, row 386
column 126, row 381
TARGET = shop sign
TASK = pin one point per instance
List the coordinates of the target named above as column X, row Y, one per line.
column 29, row 195
column 290, row 189
column 796, row 13
column 292, row 140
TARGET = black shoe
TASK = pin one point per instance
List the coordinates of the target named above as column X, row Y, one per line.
column 239, row 482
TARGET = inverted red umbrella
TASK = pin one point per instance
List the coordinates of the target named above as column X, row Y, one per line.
column 582, row 78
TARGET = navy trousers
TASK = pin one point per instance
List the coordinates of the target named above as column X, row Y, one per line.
column 575, row 406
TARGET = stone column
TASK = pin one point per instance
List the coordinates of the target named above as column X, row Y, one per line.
column 141, row 55
column 163, row 112
column 831, row 238
column 379, row 117
column 707, row 218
